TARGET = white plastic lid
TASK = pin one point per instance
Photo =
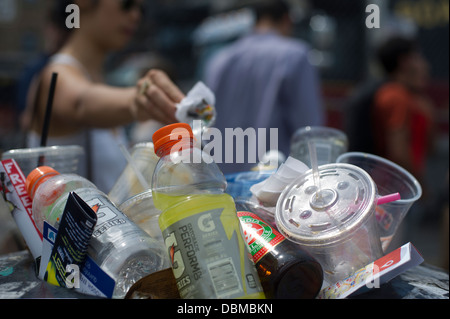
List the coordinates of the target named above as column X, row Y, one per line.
column 346, row 200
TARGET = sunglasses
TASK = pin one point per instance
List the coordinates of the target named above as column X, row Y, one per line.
column 128, row 5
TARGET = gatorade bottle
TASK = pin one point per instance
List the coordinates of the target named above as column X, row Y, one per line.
column 123, row 250
column 285, row 270
column 199, row 223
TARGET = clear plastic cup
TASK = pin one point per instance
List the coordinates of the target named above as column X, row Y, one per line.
column 64, row 159
column 329, row 143
column 129, row 183
column 335, row 223
column 142, row 212
column 389, row 178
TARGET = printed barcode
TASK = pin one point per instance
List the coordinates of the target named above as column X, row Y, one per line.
column 224, row 278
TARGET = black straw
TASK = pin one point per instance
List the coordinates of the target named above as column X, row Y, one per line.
column 48, row 114
column 48, row 111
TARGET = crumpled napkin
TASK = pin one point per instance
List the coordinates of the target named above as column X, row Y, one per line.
column 199, row 104
column 269, row 190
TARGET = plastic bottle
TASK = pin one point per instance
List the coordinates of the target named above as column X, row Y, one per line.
column 329, row 144
column 199, row 223
column 285, row 270
column 123, row 250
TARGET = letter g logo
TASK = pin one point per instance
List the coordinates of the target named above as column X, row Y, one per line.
column 206, row 224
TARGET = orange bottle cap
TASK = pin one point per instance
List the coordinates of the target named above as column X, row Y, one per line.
column 169, row 135
column 37, row 177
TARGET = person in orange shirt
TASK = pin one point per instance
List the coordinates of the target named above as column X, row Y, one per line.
column 402, row 114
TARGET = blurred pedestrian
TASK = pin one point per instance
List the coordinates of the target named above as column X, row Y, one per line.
column 86, row 111
column 264, row 80
column 402, row 114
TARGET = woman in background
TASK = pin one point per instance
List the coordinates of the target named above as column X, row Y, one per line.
column 87, row 112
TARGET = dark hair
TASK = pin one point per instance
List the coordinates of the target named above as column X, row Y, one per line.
column 393, row 50
column 57, row 12
column 273, row 9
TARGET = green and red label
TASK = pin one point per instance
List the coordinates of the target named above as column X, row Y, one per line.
column 260, row 237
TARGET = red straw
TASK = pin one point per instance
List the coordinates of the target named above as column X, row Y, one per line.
column 388, row 198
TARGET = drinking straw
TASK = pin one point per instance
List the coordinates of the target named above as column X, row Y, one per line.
column 131, row 162
column 48, row 111
column 388, row 198
column 48, row 114
column 314, row 166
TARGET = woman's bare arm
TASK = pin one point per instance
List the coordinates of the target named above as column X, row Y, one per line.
column 80, row 103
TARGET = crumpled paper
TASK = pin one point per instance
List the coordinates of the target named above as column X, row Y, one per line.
column 199, row 104
column 269, row 190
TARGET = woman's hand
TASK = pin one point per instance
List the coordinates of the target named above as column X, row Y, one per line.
column 156, row 98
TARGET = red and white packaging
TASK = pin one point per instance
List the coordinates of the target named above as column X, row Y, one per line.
column 14, row 192
column 375, row 274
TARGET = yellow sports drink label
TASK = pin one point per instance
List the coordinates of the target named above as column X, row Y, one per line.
column 208, row 254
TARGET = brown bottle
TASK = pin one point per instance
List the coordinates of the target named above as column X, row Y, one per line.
column 285, row 270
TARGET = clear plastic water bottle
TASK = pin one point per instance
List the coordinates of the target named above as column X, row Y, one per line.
column 123, row 250
column 200, row 227
column 329, row 144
